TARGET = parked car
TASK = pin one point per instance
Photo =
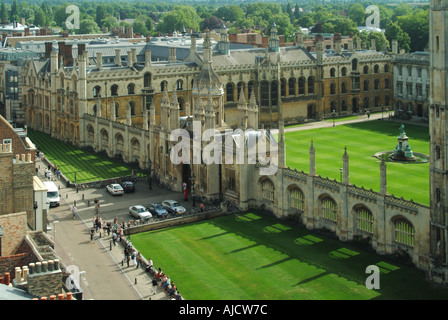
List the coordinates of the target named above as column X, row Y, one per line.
column 157, row 209
column 140, row 212
column 173, row 206
column 128, row 186
column 114, row 189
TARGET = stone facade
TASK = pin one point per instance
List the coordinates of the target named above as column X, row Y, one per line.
column 245, row 89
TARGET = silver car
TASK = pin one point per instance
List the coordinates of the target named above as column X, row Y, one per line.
column 173, row 206
column 140, row 212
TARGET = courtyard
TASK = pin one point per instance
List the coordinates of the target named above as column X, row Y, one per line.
column 363, row 140
column 253, row 256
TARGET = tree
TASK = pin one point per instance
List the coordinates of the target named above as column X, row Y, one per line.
column 180, row 16
column 14, row 11
column 3, row 13
column 417, row 26
column 41, row 19
column 394, row 32
column 357, row 13
column 101, row 14
column 140, row 27
column 88, row 26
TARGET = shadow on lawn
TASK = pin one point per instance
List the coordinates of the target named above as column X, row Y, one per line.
column 391, row 128
column 398, row 281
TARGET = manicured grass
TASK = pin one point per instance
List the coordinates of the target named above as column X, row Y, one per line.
column 363, row 140
column 255, row 257
column 70, row 159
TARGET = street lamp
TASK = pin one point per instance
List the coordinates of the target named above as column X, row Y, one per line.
column 333, row 113
column 149, row 175
column 192, row 179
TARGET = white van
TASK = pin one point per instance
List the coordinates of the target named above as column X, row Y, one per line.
column 52, row 193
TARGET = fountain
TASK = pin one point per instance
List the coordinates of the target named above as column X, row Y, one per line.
column 402, row 152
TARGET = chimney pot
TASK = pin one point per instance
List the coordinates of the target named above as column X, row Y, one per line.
column 69, row 296
column 7, row 278
column 60, row 296
column 31, row 267
column 52, row 297
column 38, row 267
column 50, row 265
column 44, row 266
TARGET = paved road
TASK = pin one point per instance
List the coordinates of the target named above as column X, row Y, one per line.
column 103, row 277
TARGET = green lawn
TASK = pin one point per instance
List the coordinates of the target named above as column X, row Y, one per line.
column 363, row 140
column 70, row 159
column 256, row 257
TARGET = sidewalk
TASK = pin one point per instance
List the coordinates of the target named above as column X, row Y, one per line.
column 98, row 264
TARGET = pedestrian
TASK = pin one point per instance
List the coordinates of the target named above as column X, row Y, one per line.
column 202, row 207
column 37, row 172
column 134, row 258
column 139, row 259
column 368, row 114
column 128, row 258
column 97, row 206
column 92, row 232
column 74, row 211
column 46, row 173
column 114, row 238
column 49, row 175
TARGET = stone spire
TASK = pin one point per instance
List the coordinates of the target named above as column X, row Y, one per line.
column 312, row 159
column 242, row 112
column 345, row 170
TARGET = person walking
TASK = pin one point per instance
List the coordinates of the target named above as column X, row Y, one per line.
column 92, row 232
column 74, row 211
column 97, row 207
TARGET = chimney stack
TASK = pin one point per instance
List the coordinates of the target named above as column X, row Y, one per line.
column 99, row 60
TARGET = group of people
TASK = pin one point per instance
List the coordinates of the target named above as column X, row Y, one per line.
column 168, row 286
column 130, row 254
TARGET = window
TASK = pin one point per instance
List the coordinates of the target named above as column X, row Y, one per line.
column 438, row 195
column 376, row 69
column 163, row 86
column 131, row 88
column 437, row 152
column 386, row 68
column 274, row 93
column 344, row 71
column 296, row 199
column 229, row 91
column 376, row 84
column 301, row 85
column 332, row 88
column 366, row 85
column 96, row 91
column 114, row 90
column 179, row 85
column 132, row 105
column 291, row 86
column 332, row 72
column 386, row 83
column 364, row 220
column 366, row 70
column 329, row 209
column 404, row 233
column 147, row 80
column 268, row 190
column 354, row 64
column 310, row 85
column 343, row 87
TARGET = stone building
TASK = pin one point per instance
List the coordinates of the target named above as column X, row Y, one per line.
column 411, row 83
column 132, row 108
column 438, row 140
